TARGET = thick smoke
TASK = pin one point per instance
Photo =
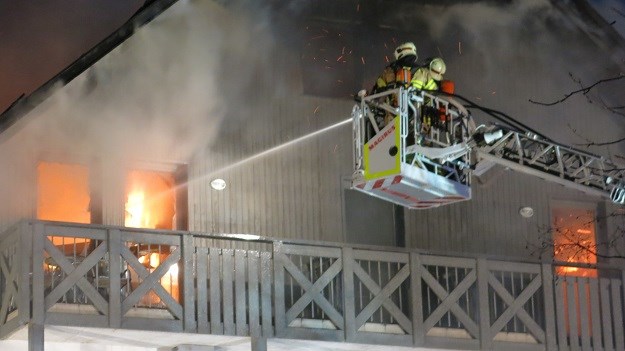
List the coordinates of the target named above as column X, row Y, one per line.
column 200, row 71
column 163, row 93
column 503, row 55
column 167, row 90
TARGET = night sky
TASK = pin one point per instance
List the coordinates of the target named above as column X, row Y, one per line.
column 40, row 38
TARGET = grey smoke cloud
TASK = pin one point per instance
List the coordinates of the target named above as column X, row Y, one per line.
column 165, row 92
column 174, row 89
column 503, row 55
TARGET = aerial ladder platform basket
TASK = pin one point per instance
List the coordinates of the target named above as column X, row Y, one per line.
column 419, row 150
column 411, row 148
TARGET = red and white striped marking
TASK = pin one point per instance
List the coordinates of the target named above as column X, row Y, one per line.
column 380, row 183
column 385, row 185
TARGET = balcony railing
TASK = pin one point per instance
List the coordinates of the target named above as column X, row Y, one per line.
column 111, row 277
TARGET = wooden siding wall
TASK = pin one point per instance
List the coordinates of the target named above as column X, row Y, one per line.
column 296, row 191
column 292, row 192
column 17, row 183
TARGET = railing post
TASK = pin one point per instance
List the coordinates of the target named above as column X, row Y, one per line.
column 115, row 263
column 26, row 253
column 259, row 344
column 482, row 287
column 349, row 314
column 188, row 251
column 416, row 300
column 35, row 337
column 266, row 262
column 240, row 303
column 278, row 279
column 253, row 264
column 549, row 309
column 617, row 314
column 606, row 313
column 36, row 325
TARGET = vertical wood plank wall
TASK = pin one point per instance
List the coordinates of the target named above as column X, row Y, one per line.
column 293, row 192
column 17, row 178
column 297, row 191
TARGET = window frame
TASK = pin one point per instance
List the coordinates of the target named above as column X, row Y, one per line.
column 577, row 205
column 94, row 180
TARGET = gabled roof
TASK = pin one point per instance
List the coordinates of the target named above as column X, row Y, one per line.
column 24, row 104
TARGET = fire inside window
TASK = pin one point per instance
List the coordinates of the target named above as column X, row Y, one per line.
column 151, row 203
column 150, row 200
column 63, row 193
column 574, row 240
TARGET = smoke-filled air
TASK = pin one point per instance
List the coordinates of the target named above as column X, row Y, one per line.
column 175, row 85
column 162, row 93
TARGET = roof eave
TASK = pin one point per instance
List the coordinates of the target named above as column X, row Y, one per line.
column 24, row 104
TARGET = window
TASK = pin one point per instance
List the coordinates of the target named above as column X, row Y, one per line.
column 574, row 239
column 150, row 200
column 63, row 193
column 156, row 200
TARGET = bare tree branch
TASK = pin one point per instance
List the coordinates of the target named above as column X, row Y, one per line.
column 583, row 90
column 604, row 143
column 602, row 103
column 590, row 142
column 575, row 245
column 606, row 107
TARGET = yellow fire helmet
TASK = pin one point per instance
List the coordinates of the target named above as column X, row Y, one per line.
column 404, row 50
column 437, row 68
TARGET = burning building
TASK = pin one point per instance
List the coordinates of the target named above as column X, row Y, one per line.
column 174, row 179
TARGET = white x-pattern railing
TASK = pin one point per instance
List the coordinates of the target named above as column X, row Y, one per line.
column 299, row 290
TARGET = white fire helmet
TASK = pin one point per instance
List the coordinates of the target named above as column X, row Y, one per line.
column 437, row 68
column 404, row 50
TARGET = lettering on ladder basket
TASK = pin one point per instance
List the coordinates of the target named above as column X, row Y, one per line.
column 381, row 137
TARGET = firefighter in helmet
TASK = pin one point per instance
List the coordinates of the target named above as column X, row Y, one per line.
column 429, row 76
column 399, row 72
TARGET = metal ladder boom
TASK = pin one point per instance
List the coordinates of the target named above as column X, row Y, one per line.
column 557, row 163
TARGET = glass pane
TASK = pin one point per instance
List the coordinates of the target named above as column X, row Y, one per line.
column 63, row 193
column 574, row 240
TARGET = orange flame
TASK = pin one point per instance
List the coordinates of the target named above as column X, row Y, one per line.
column 574, row 240
column 135, row 210
column 150, row 200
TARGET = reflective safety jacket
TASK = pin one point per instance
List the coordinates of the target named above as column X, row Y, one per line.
column 422, row 80
column 394, row 75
